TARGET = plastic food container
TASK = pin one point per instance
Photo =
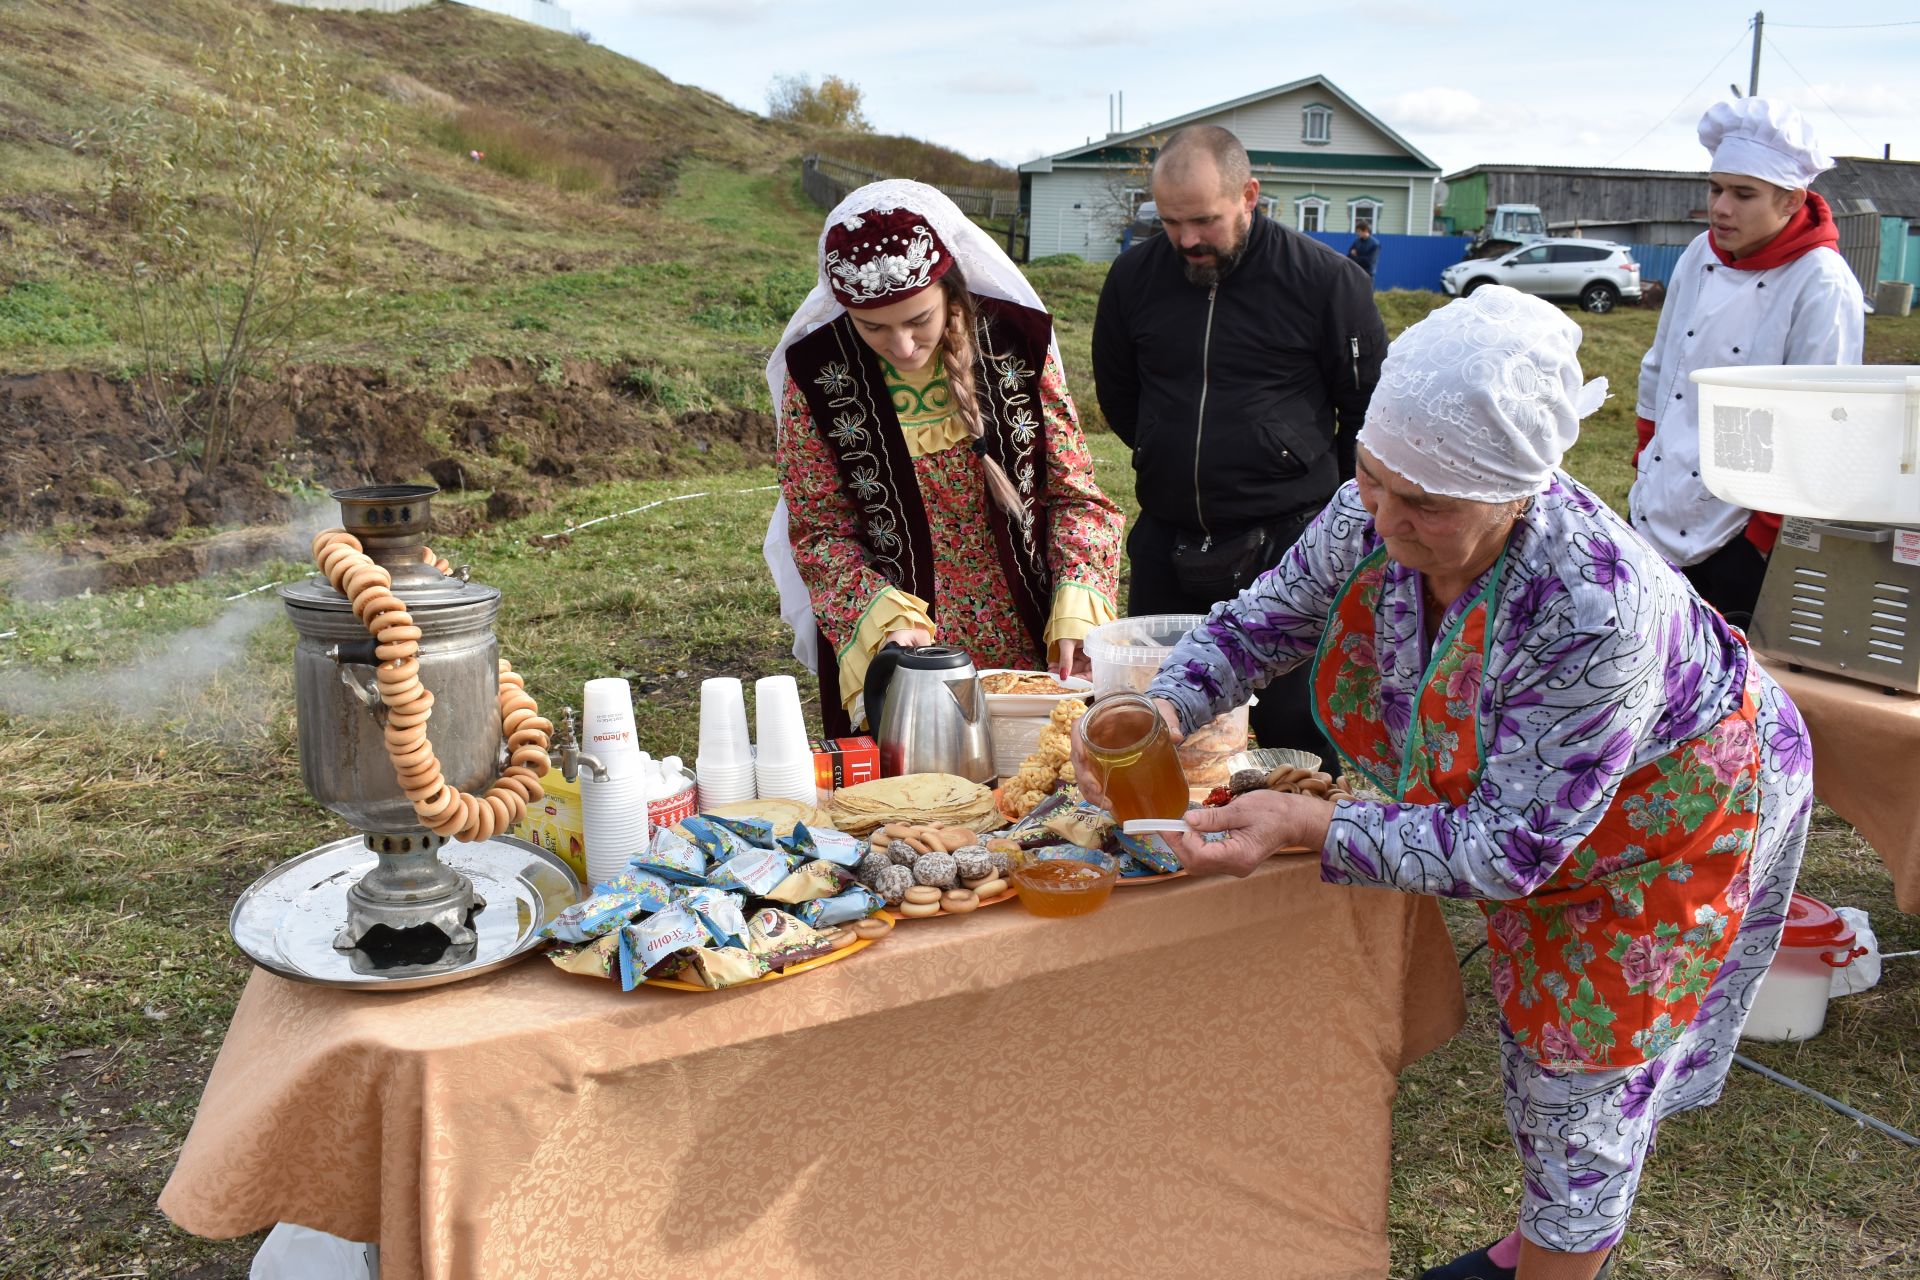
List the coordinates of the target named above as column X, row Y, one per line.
column 1840, row 442
column 1018, row 718
column 1126, row 655
column 1791, row 1003
column 677, row 807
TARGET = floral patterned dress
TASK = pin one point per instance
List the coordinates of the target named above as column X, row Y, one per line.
column 973, row 606
column 1586, row 750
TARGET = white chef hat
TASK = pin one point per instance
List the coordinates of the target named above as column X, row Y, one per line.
column 1482, row 398
column 1764, row 139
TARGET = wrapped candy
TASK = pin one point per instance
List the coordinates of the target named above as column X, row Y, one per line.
column 647, row 944
column 783, row 941
column 671, row 856
column 825, row 843
column 723, row 967
column 757, row 832
column 816, row 879
column 589, row 918
column 596, row 959
column 853, row 904
column 652, row 892
column 722, row 912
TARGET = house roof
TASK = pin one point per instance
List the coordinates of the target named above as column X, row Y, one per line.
column 1130, row 141
column 1892, row 185
column 1687, row 175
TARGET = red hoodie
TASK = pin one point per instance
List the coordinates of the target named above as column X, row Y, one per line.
column 1810, row 228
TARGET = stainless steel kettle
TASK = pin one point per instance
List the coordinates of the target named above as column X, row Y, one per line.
column 929, row 713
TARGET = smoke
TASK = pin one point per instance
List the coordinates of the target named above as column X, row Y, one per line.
column 198, row 675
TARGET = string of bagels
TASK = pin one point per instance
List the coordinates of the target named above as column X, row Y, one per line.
column 442, row 808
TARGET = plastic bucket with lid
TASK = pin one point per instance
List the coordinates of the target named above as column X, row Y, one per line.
column 1791, row 1003
column 1835, row 442
column 1126, row 655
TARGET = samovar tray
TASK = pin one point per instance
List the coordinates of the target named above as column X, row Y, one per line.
column 287, row 919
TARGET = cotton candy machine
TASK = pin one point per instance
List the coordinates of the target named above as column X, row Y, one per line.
column 401, row 905
column 1836, row 450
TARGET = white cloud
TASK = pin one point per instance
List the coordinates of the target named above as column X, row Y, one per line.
column 1446, row 110
column 991, row 83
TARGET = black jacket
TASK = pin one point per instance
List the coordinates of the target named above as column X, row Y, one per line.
column 1229, row 397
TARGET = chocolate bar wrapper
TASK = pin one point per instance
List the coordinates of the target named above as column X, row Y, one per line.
column 855, row 904
column 817, row 879
column 673, row 857
column 1151, row 852
column 757, row 832
column 721, row 912
column 783, row 941
column 653, row 892
column 722, row 967
column 596, row 959
column 754, row 871
column 837, row 847
column 591, row 917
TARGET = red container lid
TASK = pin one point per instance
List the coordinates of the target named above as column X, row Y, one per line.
column 1812, row 923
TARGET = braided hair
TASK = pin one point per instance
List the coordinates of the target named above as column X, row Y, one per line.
column 959, row 353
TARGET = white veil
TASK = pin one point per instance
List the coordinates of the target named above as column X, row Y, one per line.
column 989, row 273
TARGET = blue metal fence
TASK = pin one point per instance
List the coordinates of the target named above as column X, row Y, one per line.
column 1657, row 261
column 1406, row 262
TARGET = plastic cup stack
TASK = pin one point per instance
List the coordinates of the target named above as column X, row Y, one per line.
column 783, row 759
column 614, row 809
column 724, row 768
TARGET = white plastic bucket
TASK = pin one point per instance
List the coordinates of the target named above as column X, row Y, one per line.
column 1791, row 1002
column 1840, row 442
column 1126, row 655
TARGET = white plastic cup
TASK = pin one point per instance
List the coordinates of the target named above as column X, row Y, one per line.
column 607, row 716
column 786, row 781
column 781, row 736
column 614, row 817
column 723, row 723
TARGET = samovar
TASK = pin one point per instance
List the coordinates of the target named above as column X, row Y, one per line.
column 410, row 914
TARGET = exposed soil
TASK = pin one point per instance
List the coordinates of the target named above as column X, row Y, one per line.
column 84, row 457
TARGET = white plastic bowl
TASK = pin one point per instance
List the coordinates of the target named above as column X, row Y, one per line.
column 1840, row 442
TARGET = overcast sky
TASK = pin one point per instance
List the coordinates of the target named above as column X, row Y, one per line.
column 1467, row 83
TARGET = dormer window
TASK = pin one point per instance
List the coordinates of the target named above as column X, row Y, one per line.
column 1317, row 129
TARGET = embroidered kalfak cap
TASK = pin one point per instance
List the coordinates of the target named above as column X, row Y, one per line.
column 1757, row 138
column 877, row 258
column 1482, row 398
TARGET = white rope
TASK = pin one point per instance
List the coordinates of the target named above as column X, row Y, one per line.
column 572, row 529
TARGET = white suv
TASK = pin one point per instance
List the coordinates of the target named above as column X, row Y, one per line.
column 1596, row 272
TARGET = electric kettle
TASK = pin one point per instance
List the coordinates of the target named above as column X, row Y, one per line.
column 929, row 713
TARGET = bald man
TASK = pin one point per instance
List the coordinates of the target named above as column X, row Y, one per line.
column 1235, row 357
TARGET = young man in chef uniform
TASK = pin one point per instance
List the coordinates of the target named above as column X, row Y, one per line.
column 1764, row 285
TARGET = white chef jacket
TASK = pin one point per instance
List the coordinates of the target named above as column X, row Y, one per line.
column 1806, row 312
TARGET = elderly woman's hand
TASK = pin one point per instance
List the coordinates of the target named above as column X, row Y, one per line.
column 1251, row 829
column 1087, row 779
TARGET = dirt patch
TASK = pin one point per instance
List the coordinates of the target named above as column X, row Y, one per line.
column 85, row 459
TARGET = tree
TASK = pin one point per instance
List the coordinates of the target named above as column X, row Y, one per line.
column 833, row 104
column 243, row 207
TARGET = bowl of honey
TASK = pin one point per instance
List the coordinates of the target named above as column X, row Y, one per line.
column 1068, row 884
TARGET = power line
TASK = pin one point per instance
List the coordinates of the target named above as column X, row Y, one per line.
column 1816, row 93
column 1842, row 26
column 1668, row 113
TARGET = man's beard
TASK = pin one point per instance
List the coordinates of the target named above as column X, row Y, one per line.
column 1209, row 271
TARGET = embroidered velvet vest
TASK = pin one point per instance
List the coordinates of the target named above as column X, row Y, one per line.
column 1604, row 964
column 845, row 388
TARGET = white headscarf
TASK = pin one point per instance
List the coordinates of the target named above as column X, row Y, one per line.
column 1760, row 138
column 989, row 273
column 1482, row 398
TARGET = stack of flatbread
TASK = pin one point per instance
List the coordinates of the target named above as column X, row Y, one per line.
column 926, row 799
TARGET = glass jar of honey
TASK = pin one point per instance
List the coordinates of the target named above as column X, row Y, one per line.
column 1130, row 752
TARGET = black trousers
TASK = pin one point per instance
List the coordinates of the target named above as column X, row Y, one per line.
column 1729, row 580
column 1284, row 715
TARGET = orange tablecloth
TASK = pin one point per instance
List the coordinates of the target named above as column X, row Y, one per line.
column 1198, row 1079
column 1865, row 747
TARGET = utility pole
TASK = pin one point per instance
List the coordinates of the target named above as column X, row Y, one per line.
column 1753, row 74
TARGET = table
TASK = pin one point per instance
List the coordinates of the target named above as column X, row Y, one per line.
column 1197, row 1079
column 1865, row 744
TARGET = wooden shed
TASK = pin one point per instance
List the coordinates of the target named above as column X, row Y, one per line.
column 1633, row 206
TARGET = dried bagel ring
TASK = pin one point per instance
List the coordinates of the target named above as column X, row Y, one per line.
column 447, row 825
column 484, row 820
column 420, row 750
column 433, row 785
column 505, row 812
column 535, row 756
column 515, row 784
column 526, row 737
column 403, row 737
column 335, row 559
column 433, row 806
column 398, row 632
column 517, row 700
column 539, row 722
column 512, row 721
column 365, row 575
column 398, row 671
column 388, row 652
column 529, row 780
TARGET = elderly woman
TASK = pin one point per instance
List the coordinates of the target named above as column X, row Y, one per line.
column 1548, row 721
column 934, row 480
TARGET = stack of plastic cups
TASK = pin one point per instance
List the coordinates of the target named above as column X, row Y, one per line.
column 613, row 810
column 724, row 767
column 782, row 759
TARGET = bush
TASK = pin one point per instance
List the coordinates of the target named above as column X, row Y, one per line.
column 519, row 149
column 833, row 104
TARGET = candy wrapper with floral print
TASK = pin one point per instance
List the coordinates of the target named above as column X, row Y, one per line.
column 591, row 917
column 671, row 856
column 652, row 892
column 816, row 879
column 781, row 940
column 837, row 847
column 596, row 959
column 646, row 945
column 757, row 832
column 722, row 912
column 755, row 872
column 855, row 904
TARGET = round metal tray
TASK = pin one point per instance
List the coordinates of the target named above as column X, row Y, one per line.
column 286, row 920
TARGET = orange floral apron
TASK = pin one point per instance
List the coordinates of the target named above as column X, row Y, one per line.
column 1606, row 962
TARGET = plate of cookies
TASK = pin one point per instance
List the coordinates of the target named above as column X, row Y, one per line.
column 922, row 870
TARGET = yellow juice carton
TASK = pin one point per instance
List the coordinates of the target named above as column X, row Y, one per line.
column 557, row 823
